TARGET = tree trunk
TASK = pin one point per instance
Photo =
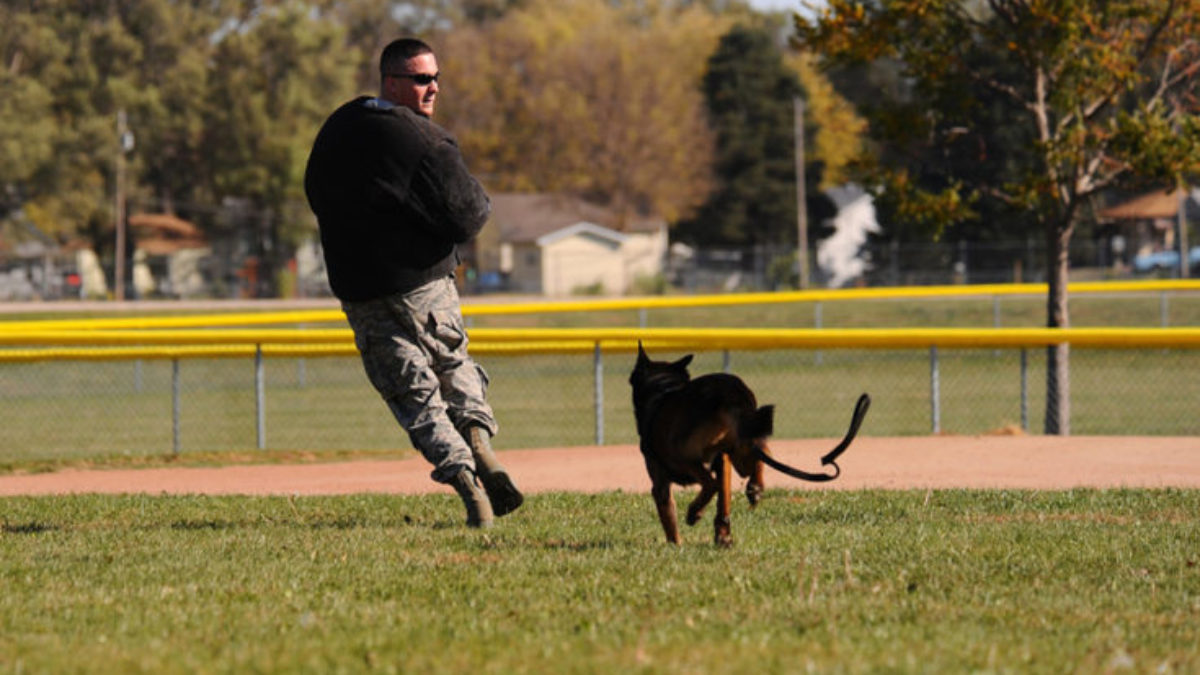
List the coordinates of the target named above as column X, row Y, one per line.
column 1058, row 357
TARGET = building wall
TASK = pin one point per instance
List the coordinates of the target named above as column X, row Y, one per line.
column 582, row 261
column 525, row 273
column 567, row 265
column 644, row 256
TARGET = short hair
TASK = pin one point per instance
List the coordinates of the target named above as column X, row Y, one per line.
column 398, row 51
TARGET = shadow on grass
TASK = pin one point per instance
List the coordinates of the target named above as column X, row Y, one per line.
column 26, row 528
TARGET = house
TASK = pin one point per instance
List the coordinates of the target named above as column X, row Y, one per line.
column 560, row 245
column 1149, row 223
column 168, row 255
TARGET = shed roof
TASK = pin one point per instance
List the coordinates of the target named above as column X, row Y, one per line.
column 1150, row 206
column 525, row 217
column 587, row 229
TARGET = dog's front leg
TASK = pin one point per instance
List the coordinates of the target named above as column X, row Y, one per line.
column 708, row 488
column 721, row 522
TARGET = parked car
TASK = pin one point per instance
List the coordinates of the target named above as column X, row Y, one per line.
column 1165, row 260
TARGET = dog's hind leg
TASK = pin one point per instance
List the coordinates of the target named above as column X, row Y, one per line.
column 666, row 510
column 660, row 489
column 722, row 535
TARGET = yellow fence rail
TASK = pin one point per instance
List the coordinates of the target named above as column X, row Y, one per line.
column 235, row 335
column 169, row 344
column 325, row 316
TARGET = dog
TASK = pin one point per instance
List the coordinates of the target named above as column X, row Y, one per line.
column 696, row 430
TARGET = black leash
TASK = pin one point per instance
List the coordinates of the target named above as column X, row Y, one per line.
column 830, row 458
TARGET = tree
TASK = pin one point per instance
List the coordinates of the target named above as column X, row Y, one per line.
column 1105, row 91
column 837, row 141
column 275, row 77
column 593, row 98
column 750, row 95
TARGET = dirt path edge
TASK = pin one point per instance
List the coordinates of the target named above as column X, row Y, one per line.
column 1025, row 462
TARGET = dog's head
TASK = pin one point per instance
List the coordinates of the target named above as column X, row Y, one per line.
column 651, row 379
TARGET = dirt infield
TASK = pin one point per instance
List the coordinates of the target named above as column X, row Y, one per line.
column 1034, row 462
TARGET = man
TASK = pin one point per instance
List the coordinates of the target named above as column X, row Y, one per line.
column 393, row 199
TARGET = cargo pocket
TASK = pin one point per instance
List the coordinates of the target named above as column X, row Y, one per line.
column 484, row 380
column 447, row 332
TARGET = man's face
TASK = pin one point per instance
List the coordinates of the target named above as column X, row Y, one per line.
column 404, row 87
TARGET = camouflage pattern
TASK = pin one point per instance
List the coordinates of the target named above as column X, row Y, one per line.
column 414, row 350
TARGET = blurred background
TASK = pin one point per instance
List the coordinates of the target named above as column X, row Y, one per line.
column 155, row 148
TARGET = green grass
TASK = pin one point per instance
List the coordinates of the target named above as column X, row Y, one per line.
column 945, row 581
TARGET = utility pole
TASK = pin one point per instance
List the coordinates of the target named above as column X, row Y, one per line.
column 1181, row 233
column 124, row 145
column 801, row 199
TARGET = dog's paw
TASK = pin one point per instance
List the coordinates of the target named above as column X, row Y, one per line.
column 754, row 494
column 693, row 516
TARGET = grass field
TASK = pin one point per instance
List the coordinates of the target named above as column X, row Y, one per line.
column 946, row 581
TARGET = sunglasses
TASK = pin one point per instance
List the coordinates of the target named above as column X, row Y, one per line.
column 419, row 78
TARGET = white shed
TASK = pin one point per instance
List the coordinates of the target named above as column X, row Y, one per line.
column 556, row 245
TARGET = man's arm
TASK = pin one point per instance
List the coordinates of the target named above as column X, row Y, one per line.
column 446, row 196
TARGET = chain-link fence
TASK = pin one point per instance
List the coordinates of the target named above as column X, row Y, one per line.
column 73, row 409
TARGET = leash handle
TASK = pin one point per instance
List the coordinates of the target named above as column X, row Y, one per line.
column 860, row 411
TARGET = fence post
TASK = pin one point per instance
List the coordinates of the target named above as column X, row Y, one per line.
column 996, row 318
column 1025, row 389
column 726, row 361
column 598, row 374
column 935, row 404
column 260, row 424
column 175, row 405
column 818, row 321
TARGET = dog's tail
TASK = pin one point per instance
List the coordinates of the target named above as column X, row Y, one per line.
column 830, row 458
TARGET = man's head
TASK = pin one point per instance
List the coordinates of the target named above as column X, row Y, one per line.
column 408, row 73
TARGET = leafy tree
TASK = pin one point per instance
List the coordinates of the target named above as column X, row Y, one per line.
column 594, row 98
column 838, row 130
column 275, row 77
column 1104, row 90
column 749, row 94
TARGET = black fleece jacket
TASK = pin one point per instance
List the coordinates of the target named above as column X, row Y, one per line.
column 393, row 198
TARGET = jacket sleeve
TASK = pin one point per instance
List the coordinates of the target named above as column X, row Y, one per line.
column 446, row 196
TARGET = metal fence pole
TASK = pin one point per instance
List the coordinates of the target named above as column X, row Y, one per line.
column 598, row 374
column 818, row 321
column 726, row 361
column 260, row 399
column 1024, row 389
column 935, row 404
column 175, row 405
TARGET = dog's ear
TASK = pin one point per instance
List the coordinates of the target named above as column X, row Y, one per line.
column 683, row 363
column 642, row 359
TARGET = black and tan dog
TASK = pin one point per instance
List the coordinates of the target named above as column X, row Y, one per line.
column 693, row 430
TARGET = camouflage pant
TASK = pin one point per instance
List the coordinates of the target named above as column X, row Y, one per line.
column 414, row 349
